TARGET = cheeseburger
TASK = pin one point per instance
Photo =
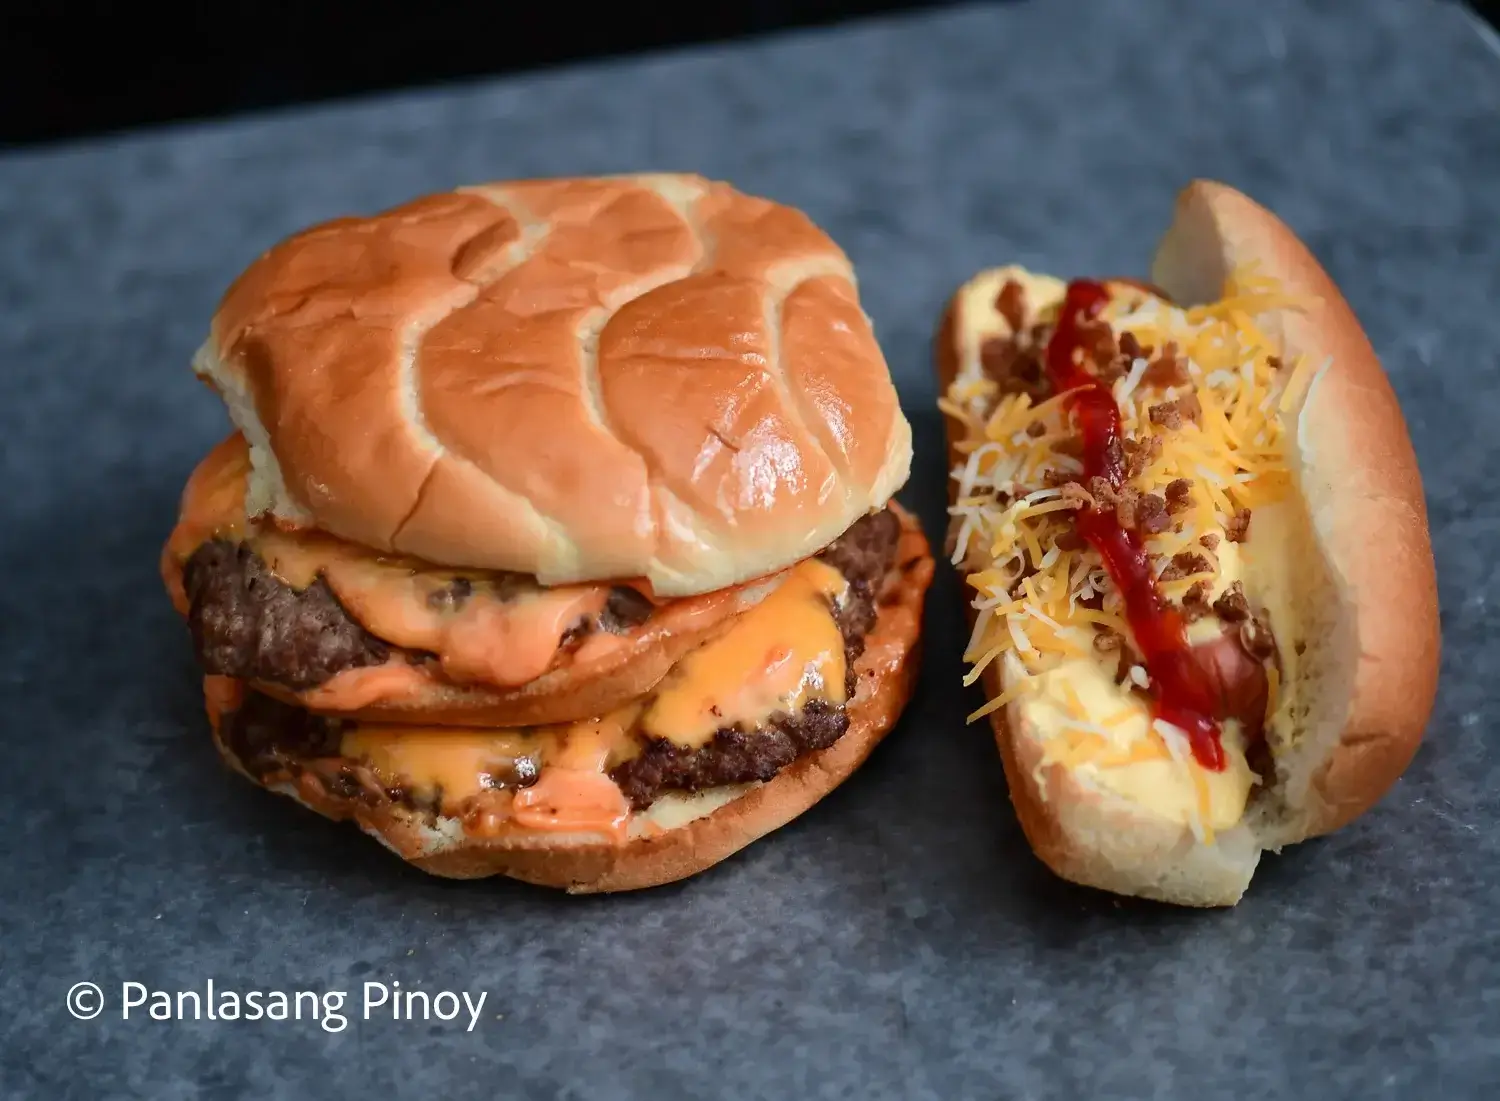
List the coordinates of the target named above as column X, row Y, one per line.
column 555, row 536
column 1196, row 550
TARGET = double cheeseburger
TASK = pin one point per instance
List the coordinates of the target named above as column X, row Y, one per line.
column 555, row 539
column 1196, row 550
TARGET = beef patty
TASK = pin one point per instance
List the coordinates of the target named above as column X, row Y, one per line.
column 272, row 738
column 250, row 624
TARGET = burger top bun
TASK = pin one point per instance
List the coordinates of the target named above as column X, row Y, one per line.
column 648, row 377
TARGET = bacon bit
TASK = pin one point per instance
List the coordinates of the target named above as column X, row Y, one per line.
column 1167, row 368
column 1116, row 368
column 1013, row 368
column 1139, row 454
column 1151, row 514
column 1070, row 540
column 1171, row 414
column 1195, row 601
column 1179, row 495
column 1056, row 479
column 1035, row 429
column 1191, row 562
column 1077, row 496
column 1238, row 529
column 1232, row 605
column 1166, row 415
column 1130, row 347
column 1172, row 572
column 1133, row 509
column 1098, row 342
column 997, row 356
column 1273, row 362
column 1211, row 540
column 1105, row 494
column 1011, row 304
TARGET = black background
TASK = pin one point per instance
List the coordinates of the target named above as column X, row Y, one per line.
column 71, row 68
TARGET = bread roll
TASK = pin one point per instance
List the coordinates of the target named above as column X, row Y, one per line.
column 689, row 390
column 1338, row 567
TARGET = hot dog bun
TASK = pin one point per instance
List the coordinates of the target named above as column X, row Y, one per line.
column 1354, row 572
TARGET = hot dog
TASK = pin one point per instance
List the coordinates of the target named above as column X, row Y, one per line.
column 1194, row 543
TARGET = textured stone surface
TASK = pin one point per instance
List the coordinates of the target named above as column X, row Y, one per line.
column 899, row 941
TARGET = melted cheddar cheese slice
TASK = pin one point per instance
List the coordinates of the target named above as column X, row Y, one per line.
column 777, row 657
column 447, row 764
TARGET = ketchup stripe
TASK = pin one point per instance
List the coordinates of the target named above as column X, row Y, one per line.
column 1181, row 689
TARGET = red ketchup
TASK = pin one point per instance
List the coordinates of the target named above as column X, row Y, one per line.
column 1183, row 692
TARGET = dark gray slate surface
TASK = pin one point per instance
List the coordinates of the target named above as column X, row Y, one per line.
column 899, row 941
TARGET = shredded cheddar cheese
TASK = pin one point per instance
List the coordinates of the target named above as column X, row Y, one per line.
column 1001, row 700
column 1033, row 593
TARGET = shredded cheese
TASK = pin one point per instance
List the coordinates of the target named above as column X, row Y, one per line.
column 1002, row 699
column 1032, row 593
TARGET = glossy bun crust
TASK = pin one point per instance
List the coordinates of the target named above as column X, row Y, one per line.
column 647, row 376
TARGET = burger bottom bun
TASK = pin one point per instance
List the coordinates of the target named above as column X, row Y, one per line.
column 582, row 864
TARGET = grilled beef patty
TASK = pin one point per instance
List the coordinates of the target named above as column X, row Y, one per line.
column 250, row 624
column 248, row 613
